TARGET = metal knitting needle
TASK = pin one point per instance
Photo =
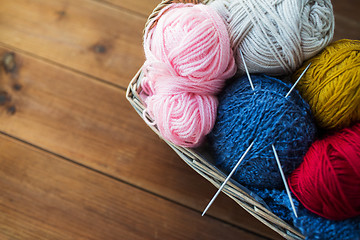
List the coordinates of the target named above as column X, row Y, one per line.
column 227, row 179
column 246, row 70
column 302, row 74
column 284, row 180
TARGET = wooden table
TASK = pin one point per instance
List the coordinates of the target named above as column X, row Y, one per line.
column 76, row 162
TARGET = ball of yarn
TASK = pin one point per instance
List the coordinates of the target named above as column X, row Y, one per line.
column 328, row 181
column 187, row 123
column 188, row 59
column 331, row 85
column 266, row 117
column 276, row 36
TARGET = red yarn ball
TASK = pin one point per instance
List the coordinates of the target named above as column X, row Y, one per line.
column 328, row 181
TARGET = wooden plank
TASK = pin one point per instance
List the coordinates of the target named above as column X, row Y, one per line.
column 100, row 40
column 144, row 7
column 84, row 35
column 347, row 9
column 45, row 197
column 347, row 19
column 92, row 123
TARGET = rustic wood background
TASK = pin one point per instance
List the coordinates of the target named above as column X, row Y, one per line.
column 76, row 162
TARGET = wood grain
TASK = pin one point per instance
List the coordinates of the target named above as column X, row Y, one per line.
column 83, row 35
column 143, row 7
column 92, row 123
column 45, row 197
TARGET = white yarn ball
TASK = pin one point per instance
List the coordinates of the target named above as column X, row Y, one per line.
column 276, row 36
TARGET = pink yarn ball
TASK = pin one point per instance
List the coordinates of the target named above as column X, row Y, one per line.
column 188, row 59
column 187, row 123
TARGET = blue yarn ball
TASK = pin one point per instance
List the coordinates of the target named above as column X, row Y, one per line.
column 266, row 117
column 309, row 224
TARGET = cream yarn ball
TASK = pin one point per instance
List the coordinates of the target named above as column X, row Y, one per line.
column 276, row 36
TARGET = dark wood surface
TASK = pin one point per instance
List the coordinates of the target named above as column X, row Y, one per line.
column 76, row 161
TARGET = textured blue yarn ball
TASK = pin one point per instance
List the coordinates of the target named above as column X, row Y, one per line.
column 266, row 117
column 309, row 224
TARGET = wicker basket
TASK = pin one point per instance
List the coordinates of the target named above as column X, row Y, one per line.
column 202, row 163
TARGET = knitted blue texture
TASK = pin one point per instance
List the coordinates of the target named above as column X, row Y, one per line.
column 309, row 224
column 267, row 117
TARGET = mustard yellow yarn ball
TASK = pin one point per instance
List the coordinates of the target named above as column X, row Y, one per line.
column 331, row 85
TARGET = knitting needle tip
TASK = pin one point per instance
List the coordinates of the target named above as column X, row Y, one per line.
column 246, row 70
column 284, row 180
column 302, row 74
column 227, row 179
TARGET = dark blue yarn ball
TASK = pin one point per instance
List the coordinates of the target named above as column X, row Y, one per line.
column 266, row 117
column 309, row 224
